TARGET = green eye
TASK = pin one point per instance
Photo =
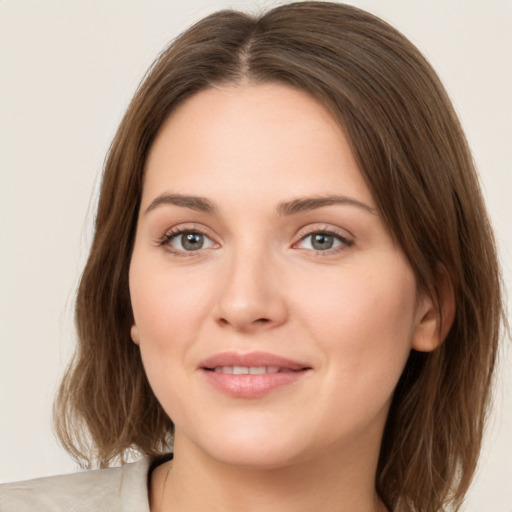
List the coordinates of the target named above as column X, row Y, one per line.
column 322, row 242
column 189, row 241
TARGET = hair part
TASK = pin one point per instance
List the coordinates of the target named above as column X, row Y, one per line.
column 414, row 157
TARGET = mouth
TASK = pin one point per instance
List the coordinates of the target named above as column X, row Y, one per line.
column 249, row 370
column 251, row 375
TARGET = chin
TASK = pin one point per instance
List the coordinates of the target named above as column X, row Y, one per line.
column 258, row 456
column 261, row 445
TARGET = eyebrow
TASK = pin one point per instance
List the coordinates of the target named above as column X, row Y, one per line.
column 286, row 208
column 199, row 204
column 312, row 203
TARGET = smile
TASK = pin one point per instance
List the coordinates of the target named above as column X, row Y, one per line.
column 250, row 370
column 251, row 375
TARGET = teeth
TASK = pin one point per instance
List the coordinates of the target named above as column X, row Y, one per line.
column 246, row 370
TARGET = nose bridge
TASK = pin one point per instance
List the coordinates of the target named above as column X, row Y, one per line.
column 251, row 296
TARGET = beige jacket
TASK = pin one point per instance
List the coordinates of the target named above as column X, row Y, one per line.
column 123, row 489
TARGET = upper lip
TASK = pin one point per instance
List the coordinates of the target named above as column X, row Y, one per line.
column 251, row 359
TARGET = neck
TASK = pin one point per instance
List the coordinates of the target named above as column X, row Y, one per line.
column 328, row 483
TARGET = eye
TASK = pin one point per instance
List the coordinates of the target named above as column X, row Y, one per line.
column 187, row 241
column 323, row 241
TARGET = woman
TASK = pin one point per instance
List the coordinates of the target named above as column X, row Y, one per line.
column 292, row 273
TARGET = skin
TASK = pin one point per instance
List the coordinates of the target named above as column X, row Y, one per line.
column 258, row 284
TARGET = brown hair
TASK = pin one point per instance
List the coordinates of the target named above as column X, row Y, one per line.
column 414, row 156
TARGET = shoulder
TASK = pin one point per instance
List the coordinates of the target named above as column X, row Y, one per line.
column 122, row 489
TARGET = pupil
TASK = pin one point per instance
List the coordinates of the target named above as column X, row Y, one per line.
column 322, row 241
column 192, row 241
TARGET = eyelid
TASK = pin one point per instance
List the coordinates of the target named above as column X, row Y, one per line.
column 315, row 227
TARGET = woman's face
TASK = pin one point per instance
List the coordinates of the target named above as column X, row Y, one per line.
column 273, row 311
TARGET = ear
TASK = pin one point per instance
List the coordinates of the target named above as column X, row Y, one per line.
column 435, row 315
column 134, row 333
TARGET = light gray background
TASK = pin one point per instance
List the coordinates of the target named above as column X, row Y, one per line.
column 67, row 72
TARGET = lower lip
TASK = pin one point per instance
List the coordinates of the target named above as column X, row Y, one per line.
column 252, row 386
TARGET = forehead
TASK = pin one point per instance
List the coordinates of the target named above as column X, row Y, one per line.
column 256, row 139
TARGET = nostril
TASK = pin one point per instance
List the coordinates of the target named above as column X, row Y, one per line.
column 262, row 321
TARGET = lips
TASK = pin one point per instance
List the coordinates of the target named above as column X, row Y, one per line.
column 251, row 375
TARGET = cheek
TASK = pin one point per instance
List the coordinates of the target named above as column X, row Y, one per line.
column 169, row 309
column 363, row 320
column 167, row 306
column 358, row 300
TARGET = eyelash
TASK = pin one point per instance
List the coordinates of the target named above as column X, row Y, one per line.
column 345, row 242
column 167, row 238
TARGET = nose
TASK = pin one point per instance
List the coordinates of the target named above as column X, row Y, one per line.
column 252, row 297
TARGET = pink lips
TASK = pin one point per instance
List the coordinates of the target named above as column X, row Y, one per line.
column 251, row 375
